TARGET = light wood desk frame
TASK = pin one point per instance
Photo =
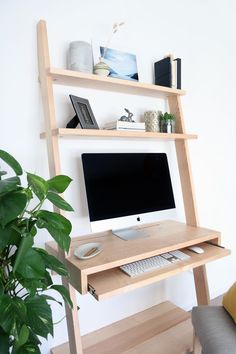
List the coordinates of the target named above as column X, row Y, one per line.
column 49, row 76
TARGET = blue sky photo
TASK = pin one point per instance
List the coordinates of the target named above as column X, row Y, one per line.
column 123, row 65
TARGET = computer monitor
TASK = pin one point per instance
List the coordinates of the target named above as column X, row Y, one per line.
column 123, row 184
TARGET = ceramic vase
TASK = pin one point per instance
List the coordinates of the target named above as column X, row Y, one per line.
column 151, row 119
column 101, row 68
column 80, row 57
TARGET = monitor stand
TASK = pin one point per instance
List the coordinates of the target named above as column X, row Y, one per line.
column 130, row 233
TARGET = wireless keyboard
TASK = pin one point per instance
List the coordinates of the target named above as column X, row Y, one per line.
column 137, row 268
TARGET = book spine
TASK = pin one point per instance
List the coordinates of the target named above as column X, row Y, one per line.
column 174, row 73
column 178, row 62
column 123, row 124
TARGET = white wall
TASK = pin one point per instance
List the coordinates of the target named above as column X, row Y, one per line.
column 202, row 33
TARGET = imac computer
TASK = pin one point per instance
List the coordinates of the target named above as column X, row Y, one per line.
column 124, row 184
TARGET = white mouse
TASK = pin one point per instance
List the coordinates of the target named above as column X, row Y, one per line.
column 196, row 249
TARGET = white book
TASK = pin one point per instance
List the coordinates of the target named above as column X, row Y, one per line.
column 174, row 73
column 130, row 129
column 118, row 124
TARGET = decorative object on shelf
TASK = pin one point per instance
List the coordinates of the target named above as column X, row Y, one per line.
column 80, row 57
column 125, row 123
column 84, row 114
column 88, row 250
column 168, row 72
column 25, row 279
column 122, row 65
column 167, row 122
column 101, row 68
column 127, row 118
column 151, row 119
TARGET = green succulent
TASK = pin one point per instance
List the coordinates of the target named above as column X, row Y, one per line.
column 166, row 116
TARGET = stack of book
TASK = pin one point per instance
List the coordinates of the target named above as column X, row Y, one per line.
column 123, row 125
column 168, row 72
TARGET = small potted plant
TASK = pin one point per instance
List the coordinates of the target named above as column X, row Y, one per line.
column 167, row 122
column 25, row 311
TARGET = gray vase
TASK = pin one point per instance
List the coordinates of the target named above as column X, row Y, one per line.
column 80, row 57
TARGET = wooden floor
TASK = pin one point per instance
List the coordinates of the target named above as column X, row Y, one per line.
column 162, row 329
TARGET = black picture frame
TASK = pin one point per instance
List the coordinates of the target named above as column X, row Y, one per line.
column 84, row 114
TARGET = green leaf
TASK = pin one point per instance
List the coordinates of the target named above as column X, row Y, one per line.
column 32, row 285
column 28, row 348
column 11, row 206
column 4, row 342
column 52, row 262
column 64, row 293
column 9, row 184
column 31, row 265
column 59, row 201
column 39, row 315
column 59, row 183
column 22, row 338
column 12, row 313
column 1, row 289
column 25, row 245
column 11, row 161
column 38, row 185
column 50, row 298
column 57, row 225
column 8, row 236
column 33, row 338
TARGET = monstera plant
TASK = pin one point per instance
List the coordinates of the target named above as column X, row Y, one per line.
column 25, row 311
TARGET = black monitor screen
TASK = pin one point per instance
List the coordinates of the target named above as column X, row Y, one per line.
column 126, row 184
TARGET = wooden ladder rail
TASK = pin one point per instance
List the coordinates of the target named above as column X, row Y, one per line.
column 55, row 169
column 182, row 152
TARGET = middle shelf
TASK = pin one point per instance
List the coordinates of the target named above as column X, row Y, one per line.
column 70, row 133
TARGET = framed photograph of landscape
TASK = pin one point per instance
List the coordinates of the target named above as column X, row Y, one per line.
column 122, row 65
column 84, row 113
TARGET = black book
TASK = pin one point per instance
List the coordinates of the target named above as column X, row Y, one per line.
column 178, row 73
column 163, row 72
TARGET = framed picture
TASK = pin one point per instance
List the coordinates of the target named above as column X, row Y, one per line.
column 122, row 65
column 84, row 115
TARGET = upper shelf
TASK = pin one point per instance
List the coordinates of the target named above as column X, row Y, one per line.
column 76, row 78
column 65, row 132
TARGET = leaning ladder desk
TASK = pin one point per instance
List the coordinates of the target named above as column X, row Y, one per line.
column 97, row 275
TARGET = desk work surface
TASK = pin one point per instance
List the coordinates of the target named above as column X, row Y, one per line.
column 101, row 275
column 162, row 237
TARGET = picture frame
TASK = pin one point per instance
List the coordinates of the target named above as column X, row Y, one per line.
column 84, row 114
column 122, row 64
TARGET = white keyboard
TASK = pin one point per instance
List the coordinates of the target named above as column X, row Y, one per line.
column 137, row 268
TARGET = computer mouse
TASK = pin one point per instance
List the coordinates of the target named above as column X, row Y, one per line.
column 196, row 249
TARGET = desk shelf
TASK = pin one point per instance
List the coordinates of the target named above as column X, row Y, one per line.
column 101, row 274
column 112, row 282
column 161, row 329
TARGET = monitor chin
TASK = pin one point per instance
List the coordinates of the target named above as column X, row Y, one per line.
column 116, row 223
column 132, row 221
